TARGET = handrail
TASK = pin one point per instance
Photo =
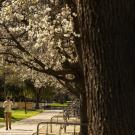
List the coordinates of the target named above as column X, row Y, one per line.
column 56, row 116
column 60, row 123
column 59, row 116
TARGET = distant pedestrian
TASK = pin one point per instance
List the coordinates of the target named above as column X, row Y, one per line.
column 8, row 112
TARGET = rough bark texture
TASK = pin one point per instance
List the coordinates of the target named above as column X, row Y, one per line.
column 108, row 46
column 83, row 114
column 73, row 4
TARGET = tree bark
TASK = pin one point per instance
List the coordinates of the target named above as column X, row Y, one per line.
column 107, row 32
column 37, row 99
column 74, row 5
column 83, row 114
column 25, row 105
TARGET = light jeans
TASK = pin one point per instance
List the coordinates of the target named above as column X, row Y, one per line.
column 8, row 119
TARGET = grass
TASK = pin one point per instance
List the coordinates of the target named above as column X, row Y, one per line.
column 58, row 105
column 20, row 114
column 1, row 119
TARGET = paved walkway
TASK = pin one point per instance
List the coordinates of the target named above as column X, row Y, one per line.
column 29, row 125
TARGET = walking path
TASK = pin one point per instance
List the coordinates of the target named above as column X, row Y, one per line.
column 29, row 126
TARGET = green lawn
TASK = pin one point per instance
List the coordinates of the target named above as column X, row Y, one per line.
column 1, row 119
column 58, row 105
column 20, row 114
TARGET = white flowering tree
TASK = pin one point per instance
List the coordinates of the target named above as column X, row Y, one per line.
column 43, row 36
column 39, row 36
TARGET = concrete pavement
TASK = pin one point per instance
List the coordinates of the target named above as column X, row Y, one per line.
column 29, row 126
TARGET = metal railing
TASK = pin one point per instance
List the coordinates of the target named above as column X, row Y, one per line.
column 71, row 111
column 54, row 117
column 57, row 117
column 57, row 123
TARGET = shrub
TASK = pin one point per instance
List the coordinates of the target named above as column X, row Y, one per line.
column 2, row 112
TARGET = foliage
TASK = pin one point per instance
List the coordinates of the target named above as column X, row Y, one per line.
column 40, row 36
column 1, row 112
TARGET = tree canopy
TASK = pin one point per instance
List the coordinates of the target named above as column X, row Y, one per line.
column 40, row 36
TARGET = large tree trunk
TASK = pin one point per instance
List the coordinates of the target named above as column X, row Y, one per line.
column 108, row 47
column 83, row 101
column 83, row 114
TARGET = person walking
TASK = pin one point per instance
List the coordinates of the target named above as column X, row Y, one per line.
column 8, row 112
